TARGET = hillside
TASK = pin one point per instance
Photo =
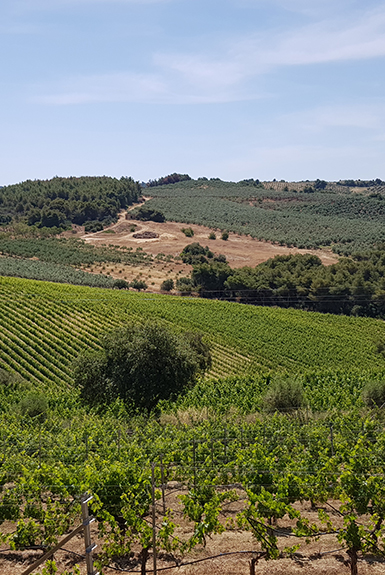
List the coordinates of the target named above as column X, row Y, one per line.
column 345, row 216
column 44, row 326
column 62, row 201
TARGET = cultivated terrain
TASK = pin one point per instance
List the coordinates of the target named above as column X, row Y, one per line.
column 274, row 448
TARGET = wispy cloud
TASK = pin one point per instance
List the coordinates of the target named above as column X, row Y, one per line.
column 53, row 5
column 116, row 87
column 223, row 73
column 321, row 42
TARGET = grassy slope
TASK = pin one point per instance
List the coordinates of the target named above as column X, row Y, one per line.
column 43, row 326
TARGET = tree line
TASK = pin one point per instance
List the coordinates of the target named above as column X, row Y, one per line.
column 60, row 202
column 352, row 286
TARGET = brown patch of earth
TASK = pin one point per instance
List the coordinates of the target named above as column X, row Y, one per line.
column 239, row 250
column 166, row 240
column 170, row 240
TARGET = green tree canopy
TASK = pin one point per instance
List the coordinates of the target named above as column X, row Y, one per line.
column 141, row 364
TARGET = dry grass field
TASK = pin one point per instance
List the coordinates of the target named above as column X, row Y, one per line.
column 239, row 250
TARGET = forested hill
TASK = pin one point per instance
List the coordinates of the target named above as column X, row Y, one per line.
column 62, row 201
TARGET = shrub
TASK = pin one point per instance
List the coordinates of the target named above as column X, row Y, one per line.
column 167, row 285
column 34, row 406
column 120, row 284
column 92, row 227
column 373, row 394
column 147, row 214
column 212, row 236
column 195, row 254
column 138, row 284
column 184, row 284
column 284, row 395
column 188, row 232
column 225, row 235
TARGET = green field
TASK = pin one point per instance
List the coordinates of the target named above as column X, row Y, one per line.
column 44, row 326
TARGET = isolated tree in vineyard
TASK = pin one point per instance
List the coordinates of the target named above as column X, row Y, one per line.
column 141, row 364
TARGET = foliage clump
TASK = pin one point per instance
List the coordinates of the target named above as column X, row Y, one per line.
column 121, row 284
column 147, row 214
column 188, row 232
column 170, row 179
column 92, row 227
column 167, row 285
column 373, row 394
column 284, row 395
column 141, row 364
column 138, row 284
column 34, row 406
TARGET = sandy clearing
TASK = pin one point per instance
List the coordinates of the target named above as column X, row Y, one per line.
column 239, row 250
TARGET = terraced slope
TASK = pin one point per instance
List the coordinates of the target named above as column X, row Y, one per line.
column 44, row 326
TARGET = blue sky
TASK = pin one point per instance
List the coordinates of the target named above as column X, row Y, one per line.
column 285, row 89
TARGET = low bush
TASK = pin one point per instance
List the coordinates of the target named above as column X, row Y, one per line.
column 92, row 227
column 167, row 285
column 284, row 395
column 138, row 284
column 373, row 394
column 121, row 284
column 34, row 406
column 188, row 232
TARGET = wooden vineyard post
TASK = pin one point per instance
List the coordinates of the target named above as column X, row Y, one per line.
column 194, row 464
column 39, row 445
column 163, row 486
column 153, row 517
column 87, row 520
column 85, row 527
column 86, row 442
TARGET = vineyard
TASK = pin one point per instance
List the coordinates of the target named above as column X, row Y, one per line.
column 219, row 471
column 45, row 326
column 281, row 486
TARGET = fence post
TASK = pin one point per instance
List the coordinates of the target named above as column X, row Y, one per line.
column 119, row 444
column 87, row 520
column 39, row 445
column 86, row 441
column 194, row 464
column 332, row 439
column 163, row 487
column 153, row 517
